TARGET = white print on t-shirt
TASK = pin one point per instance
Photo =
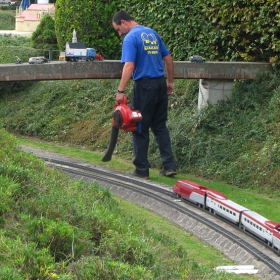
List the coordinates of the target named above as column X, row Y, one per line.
column 150, row 43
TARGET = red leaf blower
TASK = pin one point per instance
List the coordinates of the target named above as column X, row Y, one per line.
column 126, row 119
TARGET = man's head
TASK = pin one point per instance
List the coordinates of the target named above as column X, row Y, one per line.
column 122, row 22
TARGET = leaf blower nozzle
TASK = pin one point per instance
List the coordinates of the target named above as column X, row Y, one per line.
column 126, row 119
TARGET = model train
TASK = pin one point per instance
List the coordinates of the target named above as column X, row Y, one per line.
column 218, row 204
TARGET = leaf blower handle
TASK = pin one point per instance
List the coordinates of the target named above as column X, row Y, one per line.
column 121, row 98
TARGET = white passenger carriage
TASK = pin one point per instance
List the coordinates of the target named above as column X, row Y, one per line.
column 220, row 205
column 257, row 224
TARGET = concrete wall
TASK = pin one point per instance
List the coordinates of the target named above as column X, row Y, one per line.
column 213, row 91
column 112, row 69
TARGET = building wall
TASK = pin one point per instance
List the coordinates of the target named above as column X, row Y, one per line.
column 27, row 26
column 29, row 19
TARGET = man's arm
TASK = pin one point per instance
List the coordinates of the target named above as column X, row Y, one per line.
column 168, row 60
column 126, row 76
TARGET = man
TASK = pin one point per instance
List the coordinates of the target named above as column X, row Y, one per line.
column 142, row 55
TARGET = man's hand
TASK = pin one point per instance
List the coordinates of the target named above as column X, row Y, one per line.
column 119, row 98
column 170, row 88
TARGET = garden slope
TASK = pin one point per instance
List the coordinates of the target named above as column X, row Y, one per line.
column 235, row 141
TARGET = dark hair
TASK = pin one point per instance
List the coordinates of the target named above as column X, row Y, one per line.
column 121, row 15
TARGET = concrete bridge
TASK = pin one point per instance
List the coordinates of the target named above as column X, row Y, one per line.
column 215, row 78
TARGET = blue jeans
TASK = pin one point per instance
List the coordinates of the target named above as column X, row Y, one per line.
column 151, row 99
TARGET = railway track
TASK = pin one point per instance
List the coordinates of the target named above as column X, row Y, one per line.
column 235, row 244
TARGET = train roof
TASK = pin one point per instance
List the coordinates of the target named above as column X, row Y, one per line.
column 273, row 225
column 196, row 187
column 216, row 194
column 191, row 185
column 233, row 205
column 256, row 217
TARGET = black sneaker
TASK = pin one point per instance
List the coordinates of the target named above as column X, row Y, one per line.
column 167, row 173
column 134, row 173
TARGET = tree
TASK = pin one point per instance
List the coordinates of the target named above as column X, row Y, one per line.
column 44, row 36
column 92, row 21
column 218, row 30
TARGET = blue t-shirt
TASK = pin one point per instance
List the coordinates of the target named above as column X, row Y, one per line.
column 144, row 47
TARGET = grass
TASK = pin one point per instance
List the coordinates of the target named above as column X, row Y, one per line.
column 55, row 228
column 193, row 245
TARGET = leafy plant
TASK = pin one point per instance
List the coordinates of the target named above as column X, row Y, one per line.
column 92, row 22
column 44, row 36
column 232, row 31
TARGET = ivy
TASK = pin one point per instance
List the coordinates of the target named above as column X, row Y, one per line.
column 218, row 30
